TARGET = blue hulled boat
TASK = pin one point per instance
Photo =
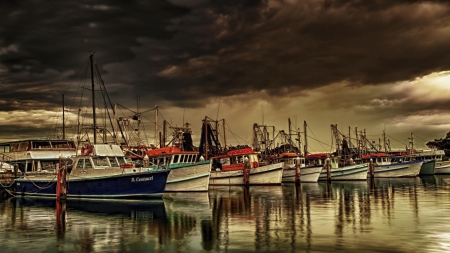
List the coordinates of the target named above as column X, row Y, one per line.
column 103, row 173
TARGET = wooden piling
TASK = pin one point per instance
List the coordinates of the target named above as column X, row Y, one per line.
column 371, row 168
column 297, row 171
column 61, row 187
column 328, row 167
column 16, row 175
column 246, row 171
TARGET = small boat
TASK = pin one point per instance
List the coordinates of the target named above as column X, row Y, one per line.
column 429, row 158
column 342, row 173
column 307, row 173
column 102, row 173
column 229, row 169
column 188, row 171
column 385, row 167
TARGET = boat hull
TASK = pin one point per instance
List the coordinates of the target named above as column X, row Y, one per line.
column 265, row 175
column 346, row 173
column 307, row 175
column 404, row 169
column 427, row 168
column 149, row 184
column 193, row 177
column 442, row 167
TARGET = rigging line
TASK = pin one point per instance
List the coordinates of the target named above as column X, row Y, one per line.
column 395, row 139
column 79, row 71
column 321, row 142
column 218, row 108
column 229, row 129
column 415, row 135
column 315, row 138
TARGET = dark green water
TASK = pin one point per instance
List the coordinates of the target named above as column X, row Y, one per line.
column 387, row 215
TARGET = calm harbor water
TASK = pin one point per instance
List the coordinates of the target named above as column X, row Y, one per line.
column 384, row 215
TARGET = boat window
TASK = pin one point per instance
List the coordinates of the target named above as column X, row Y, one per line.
column 46, row 165
column 184, row 158
column 121, row 160
column 113, row 162
column 100, row 161
column 195, row 158
column 61, row 144
column 41, row 144
column 80, row 164
column 21, row 146
column 191, row 158
column 87, row 164
column 175, row 158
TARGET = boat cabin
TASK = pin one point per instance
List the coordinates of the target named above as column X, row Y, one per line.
column 171, row 157
column 101, row 156
column 318, row 159
column 234, row 160
column 381, row 158
column 290, row 160
column 36, row 155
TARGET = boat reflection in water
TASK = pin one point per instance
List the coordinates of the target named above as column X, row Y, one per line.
column 381, row 215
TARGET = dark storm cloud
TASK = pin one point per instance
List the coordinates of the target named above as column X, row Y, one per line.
column 40, row 40
column 224, row 49
column 185, row 56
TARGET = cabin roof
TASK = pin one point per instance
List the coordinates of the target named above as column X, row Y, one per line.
column 34, row 140
column 108, row 150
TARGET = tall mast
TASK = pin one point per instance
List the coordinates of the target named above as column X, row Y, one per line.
column 290, row 140
column 63, row 124
column 91, row 57
column 306, row 137
column 156, row 125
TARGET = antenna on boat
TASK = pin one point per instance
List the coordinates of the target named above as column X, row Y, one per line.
column 91, row 57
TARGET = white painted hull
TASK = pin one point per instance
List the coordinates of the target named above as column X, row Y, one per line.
column 189, row 178
column 264, row 175
column 346, row 173
column 307, row 174
column 442, row 168
column 405, row 169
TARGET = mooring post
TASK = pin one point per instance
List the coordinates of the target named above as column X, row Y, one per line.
column 61, row 187
column 246, row 171
column 297, row 171
column 371, row 168
column 60, row 216
column 16, row 175
column 328, row 166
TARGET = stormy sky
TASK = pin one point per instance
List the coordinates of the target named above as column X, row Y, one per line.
column 375, row 65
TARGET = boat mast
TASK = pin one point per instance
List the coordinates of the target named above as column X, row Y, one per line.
column 91, row 57
column 63, row 124
column 305, row 126
column 156, row 126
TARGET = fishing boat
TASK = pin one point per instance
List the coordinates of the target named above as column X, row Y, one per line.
column 339, row 172
column 442, row 167
column 241, row 167
column 102, row 170
column 308, row 174
column 237, row 165
column 103, row 173
column 384, row 166
column 430, row 159
column 189, row 172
